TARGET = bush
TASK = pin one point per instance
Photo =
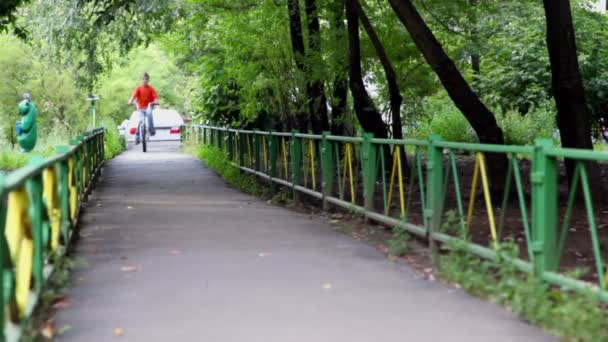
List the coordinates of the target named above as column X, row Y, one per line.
column 217, row 160
column 519, row 129
column 443, row 118
column 114, row 142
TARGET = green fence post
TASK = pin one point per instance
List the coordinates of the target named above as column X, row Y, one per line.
column 368, row 160
column 434, row 190
column 327, row 167
column 544, row 208
column 64, row 192
column 296, row 163
column 77, row 162
column 34, row 193
column 256, row 151
column 242, row 147
column 4, row 259
column 230, row 145
column 220, row 139
column 273, row 155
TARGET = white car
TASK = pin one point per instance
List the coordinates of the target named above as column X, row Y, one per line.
column 167, row 123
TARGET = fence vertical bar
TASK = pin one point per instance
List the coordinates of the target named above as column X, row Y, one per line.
column 242, row 147
column 220, row 139
column 296, row 163
column 230, row 145
column 544, row 208
column 273, row 155
column 434, row 190
column 256, row 151
column 4, row 257
column 368, row 161
column 327, row 167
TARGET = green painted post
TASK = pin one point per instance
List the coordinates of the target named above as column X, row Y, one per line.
column 368, row 160
column 242, row 148
column 220, row 139
column 273, row 155
column 34, row 192
column 296, row 163
column 230, row 145
column 544, row 208
column 77, row 161
column 204, row 135
column 327, row 168
column 64, row 192
column 4, row 259
column 256, row 151
column 434, row 191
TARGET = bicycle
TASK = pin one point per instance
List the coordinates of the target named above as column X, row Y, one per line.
column 143, row 129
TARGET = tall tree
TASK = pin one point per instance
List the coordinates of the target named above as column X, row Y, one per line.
column 479, row 116
column 8, row 18
column 299, row 50
column 317, row 101
column 393, row 88
column 567, row 83
column 340, row 80
column 369, row 117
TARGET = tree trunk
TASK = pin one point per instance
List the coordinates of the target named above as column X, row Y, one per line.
column 567, row 84
column 317, row 101
column 475, row 56
column 369, row 117
column 393, row 88
column 395, row 98
column 479, row 116
column 299, row 54
column 340, row 92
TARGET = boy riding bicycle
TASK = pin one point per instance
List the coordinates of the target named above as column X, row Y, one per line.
column 145, row 95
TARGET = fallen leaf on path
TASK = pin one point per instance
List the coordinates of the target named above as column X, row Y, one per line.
column 118, row 332
column 99, row 205
column 327, row 286
column 61, row 302
column 129, row 207
column 48, row 330
column 264, row 254
column 334, row 221
column 129, row 269
column 175, row 252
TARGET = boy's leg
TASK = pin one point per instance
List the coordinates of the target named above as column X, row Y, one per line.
column 142, row 117
column 151, row 128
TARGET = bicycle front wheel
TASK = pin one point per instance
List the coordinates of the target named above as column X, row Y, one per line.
column 144, row 143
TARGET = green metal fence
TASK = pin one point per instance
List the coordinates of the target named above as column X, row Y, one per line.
column 39, row 207
column 420, row 186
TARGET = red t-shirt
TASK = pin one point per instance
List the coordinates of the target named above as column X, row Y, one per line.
column 144, row 95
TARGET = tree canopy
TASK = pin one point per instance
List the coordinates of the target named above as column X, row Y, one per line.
column 285, row 64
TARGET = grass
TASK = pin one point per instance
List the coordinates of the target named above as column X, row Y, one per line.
column 217, row 160
column 571, row 316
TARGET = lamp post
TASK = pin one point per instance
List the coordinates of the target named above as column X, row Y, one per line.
column 93, row 99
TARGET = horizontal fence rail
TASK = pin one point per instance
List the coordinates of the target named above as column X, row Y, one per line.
column 39, row 207
column 430, row 188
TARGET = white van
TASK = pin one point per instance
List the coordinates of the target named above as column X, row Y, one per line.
column 167, row 122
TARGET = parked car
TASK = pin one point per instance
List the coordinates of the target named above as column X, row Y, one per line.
column 167, row 123
column 122, row 128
